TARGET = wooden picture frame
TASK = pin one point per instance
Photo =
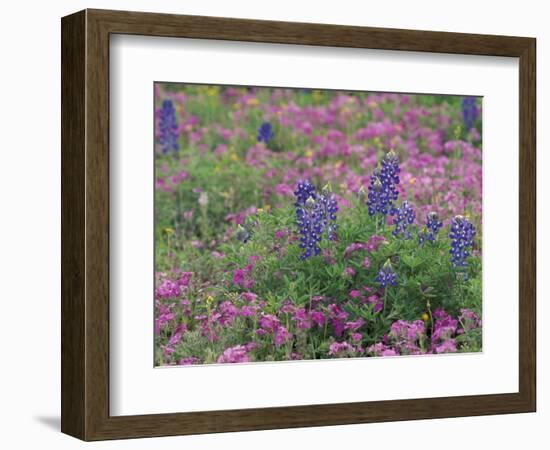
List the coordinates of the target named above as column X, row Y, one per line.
column 85, row 224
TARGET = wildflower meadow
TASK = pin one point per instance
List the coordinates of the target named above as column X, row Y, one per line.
column 299, row 224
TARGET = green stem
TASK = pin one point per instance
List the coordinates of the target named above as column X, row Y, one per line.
column 429, row 308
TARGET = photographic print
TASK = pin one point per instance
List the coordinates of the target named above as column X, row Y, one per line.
column 303, row 224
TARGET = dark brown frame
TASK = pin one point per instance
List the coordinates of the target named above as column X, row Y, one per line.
column 85, row 224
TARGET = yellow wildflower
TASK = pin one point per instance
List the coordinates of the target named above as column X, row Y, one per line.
column 317, row 96
column 212, row 91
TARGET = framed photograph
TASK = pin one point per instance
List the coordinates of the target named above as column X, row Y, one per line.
column 273, row 225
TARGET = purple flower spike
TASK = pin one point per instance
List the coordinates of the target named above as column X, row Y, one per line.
column 404, row 216
column 265, row 132
column 470, row 113
column 433, row 225
column 315, row 214
column 462, row 235
column 168, row 127
column 386, row 276
column 383, row 186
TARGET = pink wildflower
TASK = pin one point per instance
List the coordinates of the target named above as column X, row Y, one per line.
column 282, row 335
column 236, row 354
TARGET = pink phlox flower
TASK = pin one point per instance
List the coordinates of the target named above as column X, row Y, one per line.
column 249, row 297
column 349, row 271
column 407, row 336
column 236, row 354
column 377, row 301
column 175, row 339
column 284, row 189
column 240, row 217
column 184, row 279
column 188, row 361
column 338, row 317
column 340, row 348
column 287, row 307
column 228, row 313
column 282, row 335
column 253, row 259
column 445, row 327
column 354, row 325
column 336, row 312
column 318, row 317
column 165, row 315
column 179, row 177
column 381, row 349
column 389, row 352
column 302, row 319
column 374, row 242
column 469, row 319
column 448, row 346
column 167, row 350
column 167, row 289
column 248, row 311
column 243, row 277
column 352, row 248
column 220, row 149
column 269, row 322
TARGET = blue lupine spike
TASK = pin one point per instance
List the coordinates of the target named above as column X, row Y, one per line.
column 404, row 216
column 383, row 186
column 315, row 215
column 470, row 113
column 462, row 234
column 265, row 132
column 168, row 128
column 433, row 225
column 386, row 276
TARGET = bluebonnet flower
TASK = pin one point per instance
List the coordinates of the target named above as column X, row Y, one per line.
column 383, row 186
column 462, row 235
column 303, row 191
column 168, row 128
column 311, row 229
column 469, row 112
column 265, row 132
column 386, row 276
column 433, row 225
column 329, row 208
column 315, row 214
column 404, row 216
